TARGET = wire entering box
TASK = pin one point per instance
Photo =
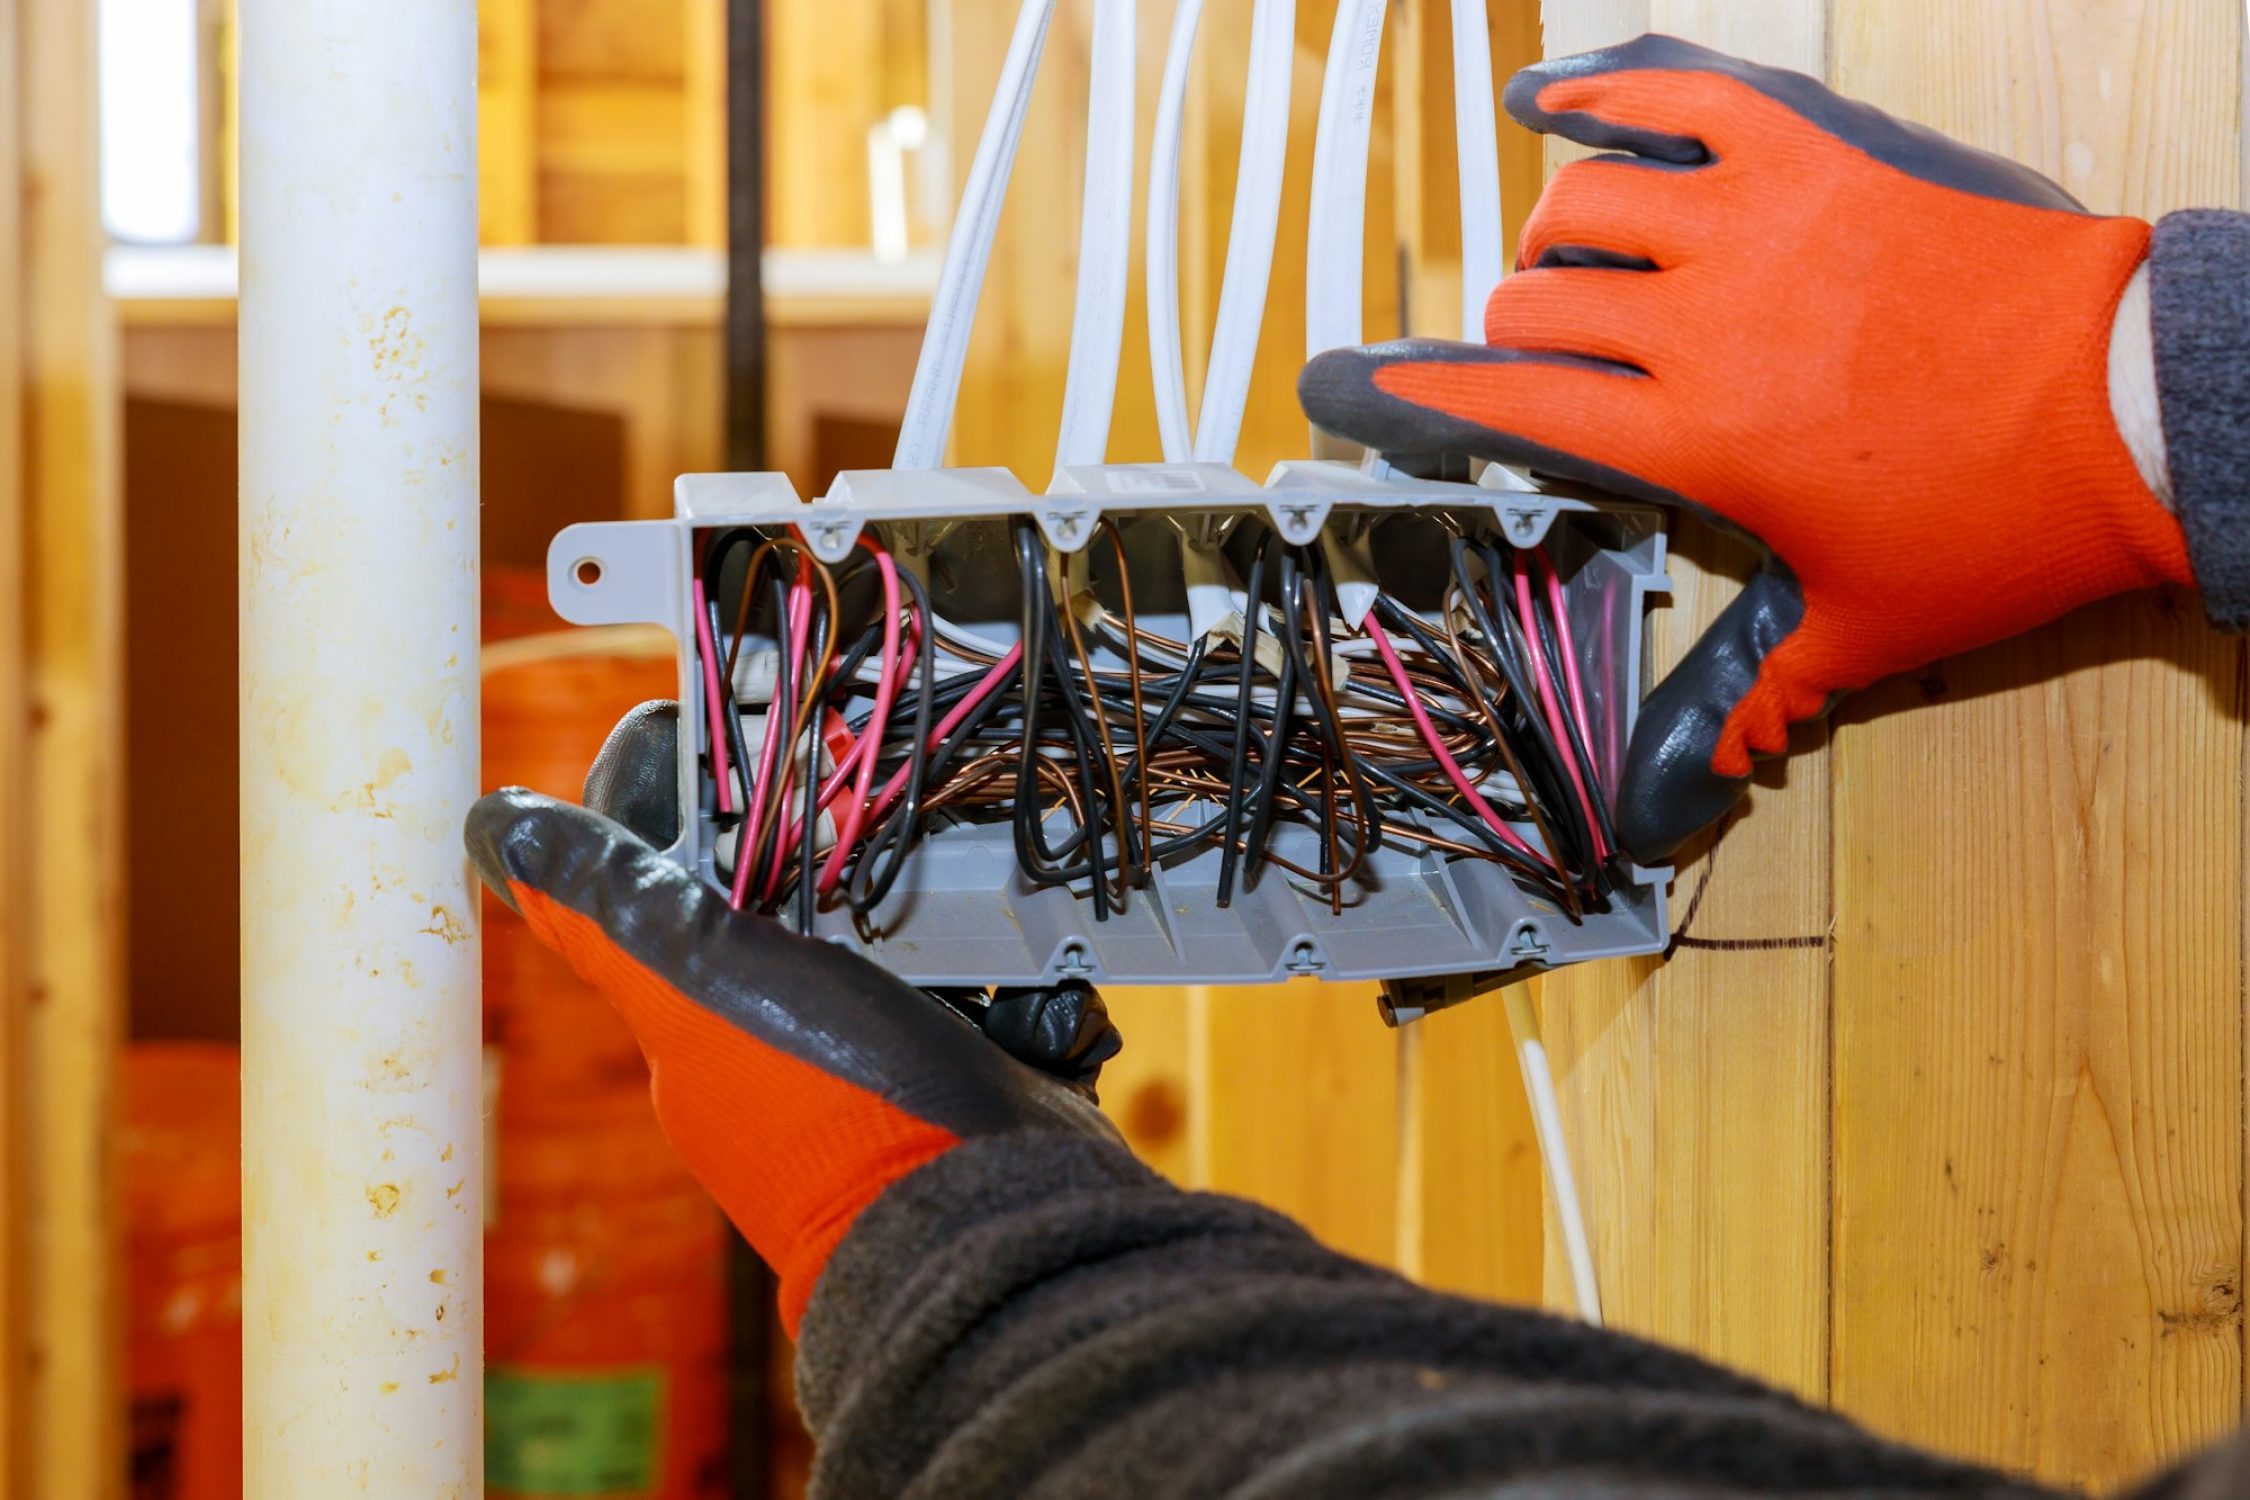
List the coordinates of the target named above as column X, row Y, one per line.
column 992, row 737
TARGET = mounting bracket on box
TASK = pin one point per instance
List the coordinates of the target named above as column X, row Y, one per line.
column 962, row 913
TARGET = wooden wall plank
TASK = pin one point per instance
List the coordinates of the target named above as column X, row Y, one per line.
column 1296, row 1104
column 1696, row 1091
column 507, row 121
column 15, row 862
column 2039, row 1017
column 1471, row 1197
column 615, row 39
column 1146, row 1089
column 829, row 84
column 72, row 976
column 703, row 146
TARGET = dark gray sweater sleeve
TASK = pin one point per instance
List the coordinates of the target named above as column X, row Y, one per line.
column 2199, row 314
column 1041, row 1316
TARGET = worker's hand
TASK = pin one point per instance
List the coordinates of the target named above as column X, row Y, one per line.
column 1883, row 355
column 797, row 1080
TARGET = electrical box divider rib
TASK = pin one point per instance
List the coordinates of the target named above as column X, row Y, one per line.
column 963, row 913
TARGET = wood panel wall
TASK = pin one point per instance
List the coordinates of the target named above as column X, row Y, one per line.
column 601, row 122
column 60, row 715
column 1936, row 1111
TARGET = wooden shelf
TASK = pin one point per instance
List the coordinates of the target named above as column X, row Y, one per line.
column 570, row 286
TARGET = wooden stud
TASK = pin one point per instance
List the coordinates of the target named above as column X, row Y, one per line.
column 1296, row 1104
column 704, row 143
column 2039, row 1011
column 15, row 862
column 71, row 971
column 828, row 75
column 508, row 121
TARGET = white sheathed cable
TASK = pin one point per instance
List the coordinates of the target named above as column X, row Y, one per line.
column 1162, row 256
column 1251, row 230
column 1105, row 239
column 1554, row 1151
column 968, row 251
column 1334, row 280
column 1476, row 129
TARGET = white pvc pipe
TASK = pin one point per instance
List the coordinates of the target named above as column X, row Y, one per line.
column 361, row 1156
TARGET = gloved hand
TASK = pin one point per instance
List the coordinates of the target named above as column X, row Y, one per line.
column 796, row 1080
column 1881, row 354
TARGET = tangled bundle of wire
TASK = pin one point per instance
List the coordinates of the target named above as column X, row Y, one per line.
column 1111, row 750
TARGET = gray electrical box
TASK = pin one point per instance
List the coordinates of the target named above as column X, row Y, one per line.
column 962, row 913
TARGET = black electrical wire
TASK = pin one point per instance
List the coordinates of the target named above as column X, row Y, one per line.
column 1284, row 705
column 714, row 563
column 1033, row 854
column 1548, row 784
column 1239, row 770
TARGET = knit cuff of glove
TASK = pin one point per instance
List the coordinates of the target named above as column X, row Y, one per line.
column 2199, row 288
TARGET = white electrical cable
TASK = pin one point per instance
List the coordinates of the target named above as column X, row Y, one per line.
column 1335, row 283
column 968, row 251
column 1476, row 131
column 1250, row 235
column 1162, row 255
column 1105, row 239
column 1546, row 1124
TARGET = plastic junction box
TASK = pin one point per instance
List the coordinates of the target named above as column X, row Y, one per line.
column 962, row 913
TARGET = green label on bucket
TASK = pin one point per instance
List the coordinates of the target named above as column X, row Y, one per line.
column 553, row 1433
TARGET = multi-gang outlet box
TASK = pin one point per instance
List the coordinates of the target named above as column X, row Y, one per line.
column 963, row 913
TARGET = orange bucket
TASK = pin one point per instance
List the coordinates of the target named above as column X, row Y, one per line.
column 181, row 1150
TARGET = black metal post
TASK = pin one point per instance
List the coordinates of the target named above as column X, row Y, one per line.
column 750, row 1290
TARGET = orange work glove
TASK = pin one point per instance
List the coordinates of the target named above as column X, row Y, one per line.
column 1881, row 354
column 796, row 1080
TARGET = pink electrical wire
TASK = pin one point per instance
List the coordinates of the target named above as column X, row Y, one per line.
column 708, row 649
column 886, row 692
column 952, row 721
column 1570, row 673
column 1562, row 633
column 993, row 680
column 1452, row 767
column 1543, row 676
